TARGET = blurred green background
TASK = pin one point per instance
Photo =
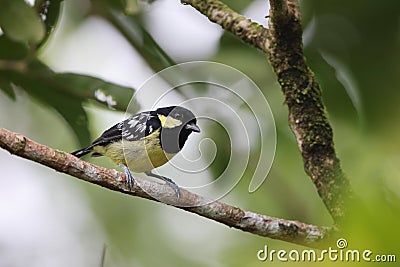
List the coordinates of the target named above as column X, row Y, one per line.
column 53, row 58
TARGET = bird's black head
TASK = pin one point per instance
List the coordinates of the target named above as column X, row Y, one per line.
column 177, row 124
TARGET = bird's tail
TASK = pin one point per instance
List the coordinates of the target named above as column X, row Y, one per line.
column 82, row 152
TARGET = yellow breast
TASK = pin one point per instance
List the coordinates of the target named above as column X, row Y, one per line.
column 140, row 156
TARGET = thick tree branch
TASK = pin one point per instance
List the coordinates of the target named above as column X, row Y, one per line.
column 307, row 116
column 279, row 8
column 247, row 30
column 286, row 230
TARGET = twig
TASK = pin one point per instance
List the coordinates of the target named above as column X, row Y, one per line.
column 242, row 27
column 263, row 225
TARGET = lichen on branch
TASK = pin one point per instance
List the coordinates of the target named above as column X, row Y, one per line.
column 249, row 31
column 307, row 115
column 263, row 225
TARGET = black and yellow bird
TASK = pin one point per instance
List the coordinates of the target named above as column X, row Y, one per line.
column 145, row 141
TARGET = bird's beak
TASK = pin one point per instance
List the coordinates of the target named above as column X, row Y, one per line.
column 193, row 127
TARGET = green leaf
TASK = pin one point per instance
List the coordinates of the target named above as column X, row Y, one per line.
column 87, row 87
column 50, row 11
column 132, row 7
column 152, row 48
column 20, row 22
column 130, row 26
column 333, row 88
column 7, row 88
column 11, row 50
column 67, row 92
column 83, row 86
column 68, row 106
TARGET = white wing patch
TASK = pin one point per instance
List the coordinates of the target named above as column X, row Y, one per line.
column 134, row 127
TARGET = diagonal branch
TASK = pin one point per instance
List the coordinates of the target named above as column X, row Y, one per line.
column 307, row 115
column 263, row 225
column 242, row 27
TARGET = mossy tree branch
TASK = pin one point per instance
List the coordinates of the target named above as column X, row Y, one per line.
column 307, row 115
column 263, row 225
column 242, row 27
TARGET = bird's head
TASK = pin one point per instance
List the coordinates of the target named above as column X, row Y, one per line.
column 177, row 124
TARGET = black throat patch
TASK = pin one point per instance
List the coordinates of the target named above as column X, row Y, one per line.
column 173, row 140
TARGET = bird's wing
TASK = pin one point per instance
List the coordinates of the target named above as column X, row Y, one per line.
column 131, row 129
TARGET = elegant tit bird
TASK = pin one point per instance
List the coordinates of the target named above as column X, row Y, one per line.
column 145, row 141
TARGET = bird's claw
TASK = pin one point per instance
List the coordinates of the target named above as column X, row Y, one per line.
column 174, row 186
column 168, row 181
column 130, row 181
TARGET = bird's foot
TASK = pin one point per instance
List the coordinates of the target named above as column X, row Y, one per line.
column 130, row 181
column 168, row 181
column 174, row 186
